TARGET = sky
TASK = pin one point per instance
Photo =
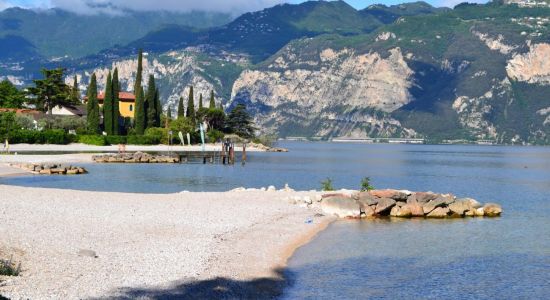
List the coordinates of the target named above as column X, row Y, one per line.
column 234, row 6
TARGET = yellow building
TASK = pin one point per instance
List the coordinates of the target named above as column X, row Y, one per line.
column 126, row 103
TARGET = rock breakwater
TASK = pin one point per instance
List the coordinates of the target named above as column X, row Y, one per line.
column 405, row 204
column 137, row 157
column 50, row 169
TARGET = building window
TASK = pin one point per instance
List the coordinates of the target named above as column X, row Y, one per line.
column 131, row 107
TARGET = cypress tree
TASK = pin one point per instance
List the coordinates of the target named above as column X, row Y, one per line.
column 140, row 119
column 158, row 107
column 200, row 102
column 137, row 84
column 181, row 109
column 151, row 102
column 212, row 101
column 75, row 94
column 108, row 106
column 92, row 107
column 190, row 113
column 116, row 100
column 169, row 113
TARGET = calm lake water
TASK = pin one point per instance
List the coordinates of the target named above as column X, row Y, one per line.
column 501, row 258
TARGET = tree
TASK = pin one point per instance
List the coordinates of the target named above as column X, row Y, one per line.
column 108, row 106
column 158, row 108
column 137, row 84
column 51, row 91
column 212, row 100
column 181, row 109
column 75, row 93
column 140, row 118
column 190, row 113
column 116, row 105
column 215, row 118
column 7, row 125
column 200, row 101
column 10, row 96
column 169, row 113
column 92, row 106
column 150, row 102
column 240, row 122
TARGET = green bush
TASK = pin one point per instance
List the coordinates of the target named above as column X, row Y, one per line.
column 143, row 140
column 115, row 139
column 8, row 268
column 92, row 139
column 54, row 136
column 365, row 185
column 160, row 133
column 326, row 185
column 215, row 135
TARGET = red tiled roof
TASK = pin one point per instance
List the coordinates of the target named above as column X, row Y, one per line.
column 23, row 111
column 124, row 96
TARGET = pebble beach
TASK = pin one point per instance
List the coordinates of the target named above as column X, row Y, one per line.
column 76, row 244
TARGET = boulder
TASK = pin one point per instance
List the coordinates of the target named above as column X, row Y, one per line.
column 460, row 206
column 424, row 197
column 72, row 172
column 492, row 210
column 392, row 194
column 384, row 205
column 416, row 209
column 343, row 207
column 473, row 203
column 433, row 204
column 402, row 212
column 366, row 198
column 479, row 212
column 367, row 211
column 439, row 212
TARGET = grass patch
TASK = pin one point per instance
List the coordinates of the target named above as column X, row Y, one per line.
column 9, row 268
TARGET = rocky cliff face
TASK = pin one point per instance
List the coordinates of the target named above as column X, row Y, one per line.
column 329, row 87
column 175, row 72
column 531, row 67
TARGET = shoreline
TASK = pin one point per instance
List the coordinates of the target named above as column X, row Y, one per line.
column 172, row 242
column 76, row 148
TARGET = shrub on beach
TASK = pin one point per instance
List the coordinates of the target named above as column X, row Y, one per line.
column 115, row 139
column 326, row 185
column 92, row 139
column 8, row 268
column 143, row 140
column 54, row 136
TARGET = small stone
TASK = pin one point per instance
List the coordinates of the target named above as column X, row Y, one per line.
column 402, row 212
column 87, row 253
column 271, row 188
column 479, row 212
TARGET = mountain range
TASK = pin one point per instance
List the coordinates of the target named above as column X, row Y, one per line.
column 324, row 69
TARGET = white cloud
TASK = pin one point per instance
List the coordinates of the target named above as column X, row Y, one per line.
column 453, row 3
column 114, row 6
column 4, row 5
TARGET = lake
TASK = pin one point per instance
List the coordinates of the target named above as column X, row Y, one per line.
column 481, row 258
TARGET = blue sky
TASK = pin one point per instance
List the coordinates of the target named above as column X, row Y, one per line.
column 217, row 5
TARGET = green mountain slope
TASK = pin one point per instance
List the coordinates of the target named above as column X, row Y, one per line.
column 58, row 33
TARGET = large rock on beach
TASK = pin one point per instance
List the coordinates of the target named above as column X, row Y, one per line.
column 439, row 212
column 402, row 212
column 492, row 210
column 392, row 194
column 422, row 197
column 459, row 207
column 366, row 198
column 384, row 205
column 416, row 209
column 343, row 207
